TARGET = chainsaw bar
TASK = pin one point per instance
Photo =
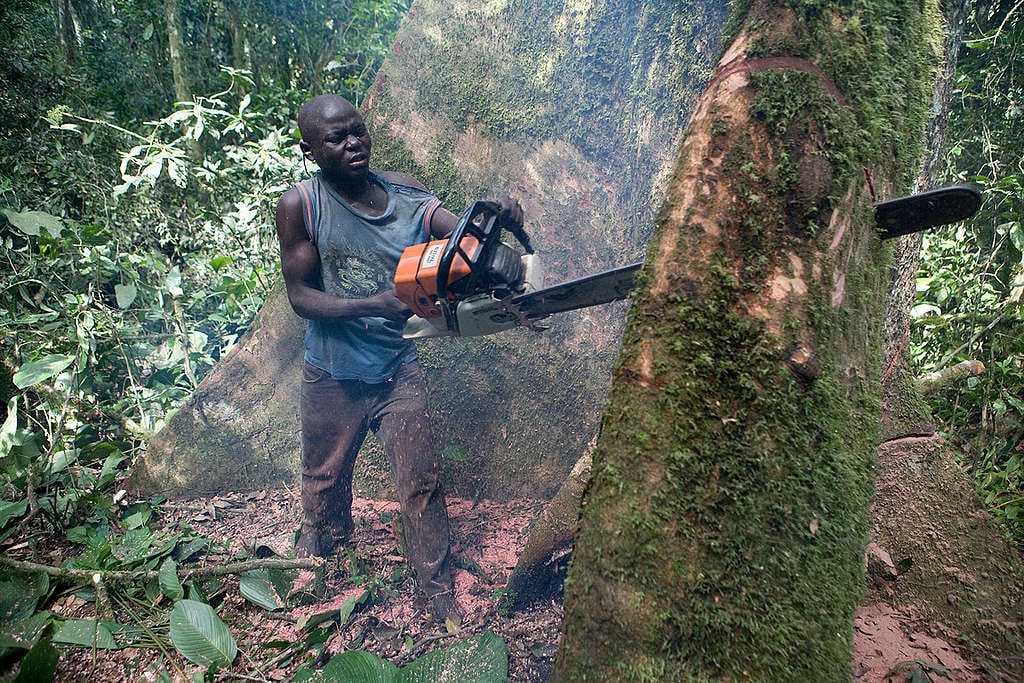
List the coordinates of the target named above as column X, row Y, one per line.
column 592, row 290
column 892, row 218
column 930, row 209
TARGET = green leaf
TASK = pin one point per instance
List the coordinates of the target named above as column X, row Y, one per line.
column 9, row 430
column 219, row 262
column 86, row 633
column 19, row 596
column 31, row 222
column 169, row 584
column 481, row 659
column 1016, row 229
column 312, row 621
column 200, row 636
column 256, row 587
column 456, row 453
column 40, row 370
column 184, row 552
column 347, row 608
column 40, row 664
column 61, row 460
column 23, row 633
column 9, row 511
column 173, row 282
column 360, row 667
column 125, row 295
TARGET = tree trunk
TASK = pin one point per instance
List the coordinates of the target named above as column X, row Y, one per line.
column 574, row 109
column 722, row 535
column 176, row 51
column 903, row 411
column 236, row 29
column 926, row 514
column 67, row 34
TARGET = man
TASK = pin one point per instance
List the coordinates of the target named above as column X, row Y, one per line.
column 341, row 235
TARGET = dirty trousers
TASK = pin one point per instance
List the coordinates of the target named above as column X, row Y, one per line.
column 336, row 415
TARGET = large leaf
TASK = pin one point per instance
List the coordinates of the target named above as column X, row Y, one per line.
column 360, row 667
column 257, row 588
column 40, row 664
column 23, row 633
column 11, row 510
column 30, row 222
column 125, row 295
column 481, row 659
column 200, row 636
column 170, row 586
column 19, row 596
column 37, row 371
column 9, row 429
column 86, row 633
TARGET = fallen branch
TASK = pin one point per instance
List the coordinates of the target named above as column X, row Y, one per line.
column 413, row 652
column 934, row 381
column 122, row 576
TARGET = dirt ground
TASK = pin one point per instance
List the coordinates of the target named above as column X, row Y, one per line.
column 487, row 538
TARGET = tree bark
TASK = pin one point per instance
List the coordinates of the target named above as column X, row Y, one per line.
column 574, row 109
column 926, row 514
column 722, row 535
column 540, row 569
column 904, row 413
column 67, row 34
column 176, row 51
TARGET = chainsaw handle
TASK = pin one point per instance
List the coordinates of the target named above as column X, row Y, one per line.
column 482, row 221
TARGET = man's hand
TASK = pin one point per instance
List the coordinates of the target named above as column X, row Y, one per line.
column 510, row 213
column 387, row 305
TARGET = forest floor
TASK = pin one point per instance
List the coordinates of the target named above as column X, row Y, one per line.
column 487, row 537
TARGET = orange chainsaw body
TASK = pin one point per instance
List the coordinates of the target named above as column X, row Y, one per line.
column 416, row 275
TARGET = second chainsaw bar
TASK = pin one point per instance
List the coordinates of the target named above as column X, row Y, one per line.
column 929, row 209
column 892, row 218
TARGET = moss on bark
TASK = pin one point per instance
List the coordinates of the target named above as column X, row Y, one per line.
column 722, row 534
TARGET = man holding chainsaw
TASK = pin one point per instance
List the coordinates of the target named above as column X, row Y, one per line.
column 341, row 234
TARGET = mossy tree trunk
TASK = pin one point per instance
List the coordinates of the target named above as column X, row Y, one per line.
column 722, row 533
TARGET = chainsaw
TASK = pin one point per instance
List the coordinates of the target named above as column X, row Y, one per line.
column 472, row 283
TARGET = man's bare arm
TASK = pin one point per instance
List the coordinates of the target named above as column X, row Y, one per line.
column 300, row 265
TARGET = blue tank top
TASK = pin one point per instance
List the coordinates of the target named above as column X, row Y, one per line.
column 358, row 257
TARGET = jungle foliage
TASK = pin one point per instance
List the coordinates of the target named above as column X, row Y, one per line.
column 972, row 274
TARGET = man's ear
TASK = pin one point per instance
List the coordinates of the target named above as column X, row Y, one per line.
column 306, row 151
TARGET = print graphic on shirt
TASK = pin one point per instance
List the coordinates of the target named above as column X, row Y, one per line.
column 359, row 272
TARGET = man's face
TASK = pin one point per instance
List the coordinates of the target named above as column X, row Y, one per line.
column 339, row 143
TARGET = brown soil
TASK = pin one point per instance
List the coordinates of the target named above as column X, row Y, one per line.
column 487, row 537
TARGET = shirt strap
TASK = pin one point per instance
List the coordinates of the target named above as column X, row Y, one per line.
column 307, row 214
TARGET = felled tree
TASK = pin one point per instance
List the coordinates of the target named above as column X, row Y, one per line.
column 723, row 531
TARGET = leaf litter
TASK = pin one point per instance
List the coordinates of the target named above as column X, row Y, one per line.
column 368, row 583
column 367, row 599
